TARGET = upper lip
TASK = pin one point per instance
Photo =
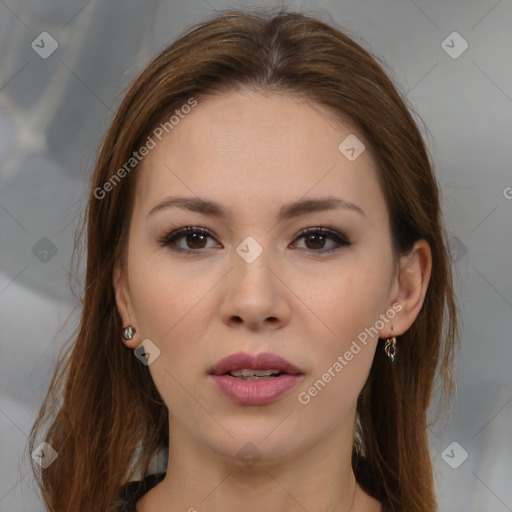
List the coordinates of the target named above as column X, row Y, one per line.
column 263, row 361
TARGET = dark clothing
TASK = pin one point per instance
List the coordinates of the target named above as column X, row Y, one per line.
column 131, row 492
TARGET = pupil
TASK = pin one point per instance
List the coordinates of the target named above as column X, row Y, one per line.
column 198, row 235
column 320, row 240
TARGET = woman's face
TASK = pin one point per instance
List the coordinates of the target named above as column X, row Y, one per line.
column 250, row 281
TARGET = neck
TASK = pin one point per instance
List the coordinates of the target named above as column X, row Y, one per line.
column 319, row 479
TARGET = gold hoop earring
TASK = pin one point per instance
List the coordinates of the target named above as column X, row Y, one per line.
column 390, row 349
column 128, row 332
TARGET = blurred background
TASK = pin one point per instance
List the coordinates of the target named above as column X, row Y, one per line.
column 64, row 66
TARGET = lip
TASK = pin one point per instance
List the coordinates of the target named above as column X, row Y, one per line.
column 263, row 361
column 255, row 392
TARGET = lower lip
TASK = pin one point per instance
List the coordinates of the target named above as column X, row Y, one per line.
column 255, row 392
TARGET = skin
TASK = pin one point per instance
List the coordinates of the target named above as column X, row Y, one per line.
column 253, row 153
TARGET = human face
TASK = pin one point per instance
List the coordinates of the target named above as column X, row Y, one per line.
column 304, row 298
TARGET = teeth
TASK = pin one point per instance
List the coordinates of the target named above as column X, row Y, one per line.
column 253, row 373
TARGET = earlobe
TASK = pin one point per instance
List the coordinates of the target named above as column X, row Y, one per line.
column 124, row 306
column 412, row 283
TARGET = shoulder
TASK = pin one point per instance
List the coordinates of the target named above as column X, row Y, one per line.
column 131, row 492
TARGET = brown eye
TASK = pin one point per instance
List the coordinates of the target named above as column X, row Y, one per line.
column 196, row 240
column 192, row 239
column 188, row 239
column 315, row 239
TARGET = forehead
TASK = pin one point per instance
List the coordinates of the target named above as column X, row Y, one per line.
column 270, row 144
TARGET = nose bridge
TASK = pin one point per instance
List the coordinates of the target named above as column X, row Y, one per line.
column 253, row 294
column 251, row 274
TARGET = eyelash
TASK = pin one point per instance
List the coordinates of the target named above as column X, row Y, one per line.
column 171, row 238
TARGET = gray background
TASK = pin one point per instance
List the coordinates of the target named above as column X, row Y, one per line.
column 54, row 111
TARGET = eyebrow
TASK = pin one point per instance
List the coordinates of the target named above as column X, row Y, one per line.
column 287, row 211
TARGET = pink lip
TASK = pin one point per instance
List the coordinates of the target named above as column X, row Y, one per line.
column 255, row 392
column 263, row 361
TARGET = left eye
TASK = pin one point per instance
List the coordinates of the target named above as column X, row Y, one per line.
column 196, row 239
column 318, row 236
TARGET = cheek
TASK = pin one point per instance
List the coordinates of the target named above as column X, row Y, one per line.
column 166, row 301
column 341, row 355
column 169, row 306
column 348, row 301
column 347, row 297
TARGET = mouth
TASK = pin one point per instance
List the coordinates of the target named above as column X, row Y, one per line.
column 247, row 367
column 255, row 380
column 248, row 374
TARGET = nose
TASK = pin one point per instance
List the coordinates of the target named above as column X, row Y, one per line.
column 255, row 296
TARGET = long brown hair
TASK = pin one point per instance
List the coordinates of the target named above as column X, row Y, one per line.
column 111, row 421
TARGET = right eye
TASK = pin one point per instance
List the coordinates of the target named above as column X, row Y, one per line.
column 194, row 237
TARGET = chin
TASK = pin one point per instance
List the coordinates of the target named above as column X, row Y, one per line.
column 263, row 444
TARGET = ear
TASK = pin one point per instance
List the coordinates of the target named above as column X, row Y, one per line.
column 124, row 303
column 409, row 288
